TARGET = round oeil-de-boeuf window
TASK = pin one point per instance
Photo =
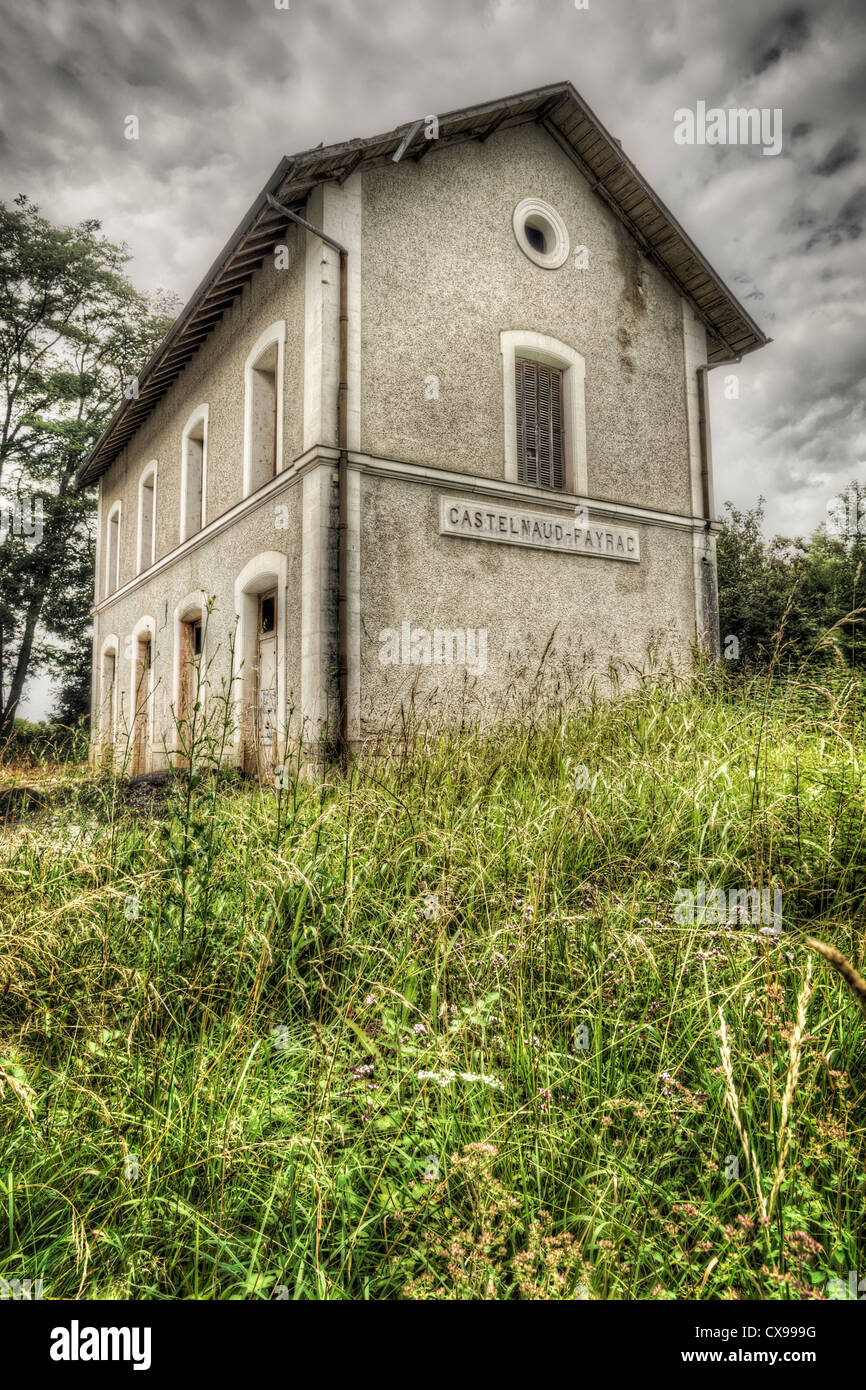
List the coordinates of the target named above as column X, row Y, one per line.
column 541, row 233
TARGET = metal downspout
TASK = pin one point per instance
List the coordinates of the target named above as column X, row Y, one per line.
column 342, row 482
column 703, row 440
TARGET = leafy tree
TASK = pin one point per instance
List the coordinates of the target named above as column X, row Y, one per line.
column 792, row 600
column 73, row 331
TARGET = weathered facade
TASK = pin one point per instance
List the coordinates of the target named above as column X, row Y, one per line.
column 515, row 473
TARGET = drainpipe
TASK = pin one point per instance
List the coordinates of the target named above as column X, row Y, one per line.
column 709, row 585
column 703, row 436
column 703, row 427
column 342, row 481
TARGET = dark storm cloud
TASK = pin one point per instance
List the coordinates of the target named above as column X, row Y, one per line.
column 844, row 151
column 786, row 34
column 846, row 225
column 223, row 88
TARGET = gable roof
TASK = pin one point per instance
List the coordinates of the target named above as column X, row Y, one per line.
column 562, row 112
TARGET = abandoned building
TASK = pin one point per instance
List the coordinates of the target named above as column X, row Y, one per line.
column 432, row 429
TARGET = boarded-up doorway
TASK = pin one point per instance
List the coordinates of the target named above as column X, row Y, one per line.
column 189, row 727
column 141, row 737
column 109, row 678
column 259, row 657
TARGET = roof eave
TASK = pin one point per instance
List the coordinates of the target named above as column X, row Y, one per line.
column 298, row 175
column 246, row 224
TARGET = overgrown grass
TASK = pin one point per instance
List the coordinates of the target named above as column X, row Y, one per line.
column 433, row 1031
column 28, row 746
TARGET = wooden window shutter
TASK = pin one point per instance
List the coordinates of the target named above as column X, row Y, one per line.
column 540, row 445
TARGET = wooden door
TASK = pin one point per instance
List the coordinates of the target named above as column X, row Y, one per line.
column 109, row 676
column 141, row 740
column 190, row 655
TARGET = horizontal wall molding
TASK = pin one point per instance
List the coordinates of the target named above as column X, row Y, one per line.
column 283, row 482
column 498, row 490
column 471, row 484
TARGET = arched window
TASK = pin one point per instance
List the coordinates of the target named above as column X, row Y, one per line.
column 263, row 408
column 193, row 473
column 147, row 517
column 112, row 549
column 545, row 416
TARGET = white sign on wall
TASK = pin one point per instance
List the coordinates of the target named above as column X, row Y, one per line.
column 540, row 530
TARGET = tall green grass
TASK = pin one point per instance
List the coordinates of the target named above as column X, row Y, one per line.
column 29, row 745
column 431, row 1030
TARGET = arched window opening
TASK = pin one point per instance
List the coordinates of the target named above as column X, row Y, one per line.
column 263, row 423
column 147, row 519
column 263, row 408
column 545, row 412
column 112, row 550
column 194, row 474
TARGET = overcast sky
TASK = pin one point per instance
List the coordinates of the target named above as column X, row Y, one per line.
column 223, row 88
